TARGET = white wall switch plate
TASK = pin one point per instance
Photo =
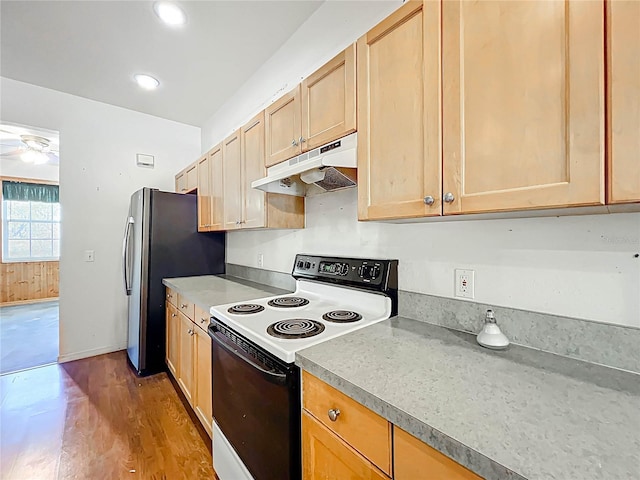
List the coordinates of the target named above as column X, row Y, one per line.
column 464, row 283
column 88, row 255
column 260, row 260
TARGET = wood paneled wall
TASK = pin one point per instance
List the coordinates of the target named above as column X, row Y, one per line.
column 24, row 282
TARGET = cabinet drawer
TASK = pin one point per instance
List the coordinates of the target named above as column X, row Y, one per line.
column 172, row 297
column 365, row 431
column 186, row 307
column 416, row 459
column 201, row 318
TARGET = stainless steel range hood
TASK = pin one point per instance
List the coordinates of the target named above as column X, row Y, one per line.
column 330, row 167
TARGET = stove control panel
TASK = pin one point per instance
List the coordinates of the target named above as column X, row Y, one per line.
column 370, row 274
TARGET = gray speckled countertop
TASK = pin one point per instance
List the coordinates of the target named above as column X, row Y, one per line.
column 208, row 290
column 519, row 413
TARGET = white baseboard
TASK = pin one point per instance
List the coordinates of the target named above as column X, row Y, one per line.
column 69, row 357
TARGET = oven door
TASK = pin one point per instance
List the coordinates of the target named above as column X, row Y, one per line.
column 256, row 405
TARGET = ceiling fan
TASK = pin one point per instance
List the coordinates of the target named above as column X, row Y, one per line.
column 28, row 148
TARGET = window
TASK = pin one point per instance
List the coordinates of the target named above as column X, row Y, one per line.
column 31, row 222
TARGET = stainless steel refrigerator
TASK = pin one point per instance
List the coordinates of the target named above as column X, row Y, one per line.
column 161, row 240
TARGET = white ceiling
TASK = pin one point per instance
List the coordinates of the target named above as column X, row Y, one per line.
column 93, row 48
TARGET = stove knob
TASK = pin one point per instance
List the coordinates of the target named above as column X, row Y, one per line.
column 300, row 264
column 307, row 265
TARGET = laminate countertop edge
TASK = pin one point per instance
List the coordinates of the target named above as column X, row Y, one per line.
column 210, row 290
column 423, row 379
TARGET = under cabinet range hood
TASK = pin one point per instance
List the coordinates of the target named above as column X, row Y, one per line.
column 330, row 167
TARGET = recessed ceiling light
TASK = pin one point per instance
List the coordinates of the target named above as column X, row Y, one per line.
column 170, row 13
column 146, row 81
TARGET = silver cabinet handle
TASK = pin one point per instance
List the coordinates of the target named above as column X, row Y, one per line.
column 203, row 320
column 183, row 305
column 448, row 197
column 429, row 200
column 302, row 139
column 294, row 143
column 169, row 295
column 191, row 332
column 333, row 414
column 173, row 315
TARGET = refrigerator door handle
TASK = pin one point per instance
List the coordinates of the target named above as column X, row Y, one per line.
column 125, row 255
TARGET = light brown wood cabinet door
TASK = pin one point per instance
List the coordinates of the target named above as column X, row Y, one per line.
column 202, row 360
column 399, row 155
column 181, row 183
column 623, row 112
column 192, row 177
column 325, row 456
column 414, row 459
column 232, row 168
column 329, row 101
column 283, row 128
column 522, row 105
column 204, row 194
column 172, row 339
column 252, row 150
column 217, row 187
column 185, row 371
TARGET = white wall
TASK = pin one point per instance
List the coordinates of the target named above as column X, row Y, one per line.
column 98, row 145
column 576, row 266
column 10, row 167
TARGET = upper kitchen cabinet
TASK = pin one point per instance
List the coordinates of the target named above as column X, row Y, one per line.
column 187, row 180
column 211, row 191
column 283, row 128
column 217, row 188
column 399, row 158
column 329, row 101
column 523, row 104
column 232, row 173
column 204, row 194
column 261, row 209
column 623, row 111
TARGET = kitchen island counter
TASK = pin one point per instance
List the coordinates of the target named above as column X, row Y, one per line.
column 519, row 413
column 209, row 290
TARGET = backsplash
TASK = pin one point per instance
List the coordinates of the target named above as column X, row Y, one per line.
column 578, row 266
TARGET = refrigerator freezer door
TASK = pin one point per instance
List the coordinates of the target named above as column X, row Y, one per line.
column 138, row 211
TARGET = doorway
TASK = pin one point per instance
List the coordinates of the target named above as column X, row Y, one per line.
column 30, row 254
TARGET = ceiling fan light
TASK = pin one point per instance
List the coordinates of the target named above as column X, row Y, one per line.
column 170, row 13
column 30, row 156
column 41, row 158
column 146, row 81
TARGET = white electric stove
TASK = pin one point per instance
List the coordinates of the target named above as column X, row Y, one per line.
column 256, row 384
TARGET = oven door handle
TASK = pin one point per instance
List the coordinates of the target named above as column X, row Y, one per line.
column 278, row 378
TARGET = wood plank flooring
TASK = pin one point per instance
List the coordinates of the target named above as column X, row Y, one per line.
column 94, row 419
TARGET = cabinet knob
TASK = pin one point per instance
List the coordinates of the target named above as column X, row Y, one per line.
column 333, row 414
column 429, row 200
column 294, row 143
column 448, row 197
column 173, row 314
column 203, row 320
column 183, row 305
column 169, row 296
column 191, row 332
column 302, row 139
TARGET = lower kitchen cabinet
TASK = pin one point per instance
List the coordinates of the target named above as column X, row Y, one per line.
column 413, row 459
column 188, row 355
column 325, row 455
column 185, row 370
column 202, row 402
column 172, row 347
column 343, row 439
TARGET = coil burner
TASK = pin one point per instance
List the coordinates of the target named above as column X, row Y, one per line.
column 342, row 316
column 288, row 302
column 245, row 308
column 295, row 328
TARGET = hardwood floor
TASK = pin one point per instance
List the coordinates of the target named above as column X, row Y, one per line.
column 94, row 419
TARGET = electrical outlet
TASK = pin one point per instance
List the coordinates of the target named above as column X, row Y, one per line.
column 260, row 260
column 88, row 255
column 464, row 283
